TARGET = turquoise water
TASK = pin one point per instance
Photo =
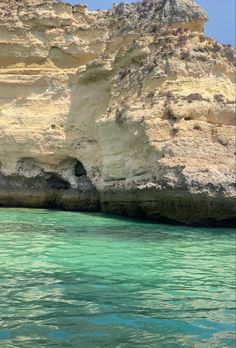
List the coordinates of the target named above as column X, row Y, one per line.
column 88, row 280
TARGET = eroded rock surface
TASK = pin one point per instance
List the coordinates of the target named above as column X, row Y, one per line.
column 130, row 110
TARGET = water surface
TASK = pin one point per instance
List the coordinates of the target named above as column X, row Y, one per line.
column 88, row 280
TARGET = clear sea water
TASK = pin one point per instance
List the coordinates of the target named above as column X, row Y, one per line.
column 89, row 280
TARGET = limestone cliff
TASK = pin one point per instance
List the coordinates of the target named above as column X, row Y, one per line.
column 129, row 110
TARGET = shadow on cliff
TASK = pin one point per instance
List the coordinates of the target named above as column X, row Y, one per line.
column 89, row 98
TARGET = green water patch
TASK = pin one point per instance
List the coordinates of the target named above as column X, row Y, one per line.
column 89, row 280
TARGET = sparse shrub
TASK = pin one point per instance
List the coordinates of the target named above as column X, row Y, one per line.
column 153, row 28
column 199, row 49
column 185, row 55
column 202, row 58
column 182, row 40
column 194, row 97
column 151, row 95
column 201, row 38
column 219, row 98
column 216, row 47
column 229, row 53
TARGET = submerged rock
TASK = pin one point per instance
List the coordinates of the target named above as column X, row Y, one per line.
column 130, row 110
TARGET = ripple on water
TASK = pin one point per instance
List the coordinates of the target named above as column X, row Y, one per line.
column 88, row 280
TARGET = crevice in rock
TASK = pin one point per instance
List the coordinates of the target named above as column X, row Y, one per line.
column 79, row 169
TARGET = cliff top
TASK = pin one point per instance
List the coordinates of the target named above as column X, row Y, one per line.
column 146, row 15
column 153, row 13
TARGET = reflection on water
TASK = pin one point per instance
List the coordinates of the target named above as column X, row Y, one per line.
column 88, row 280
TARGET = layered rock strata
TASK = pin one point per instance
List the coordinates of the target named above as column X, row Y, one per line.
column 129, row 111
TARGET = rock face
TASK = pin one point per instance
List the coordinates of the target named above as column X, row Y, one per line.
column 130, row 111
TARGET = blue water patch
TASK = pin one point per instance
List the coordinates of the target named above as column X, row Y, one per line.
column 5, row 334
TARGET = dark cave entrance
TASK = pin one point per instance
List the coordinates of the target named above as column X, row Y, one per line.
column 79, row 169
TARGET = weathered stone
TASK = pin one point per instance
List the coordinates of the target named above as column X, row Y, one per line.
column 130, row 110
